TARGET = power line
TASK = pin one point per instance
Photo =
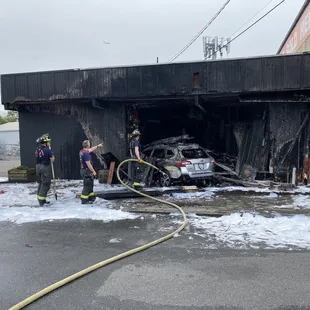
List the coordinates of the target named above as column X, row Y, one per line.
column 199, row 33
column 245, row 30
column 252, row 18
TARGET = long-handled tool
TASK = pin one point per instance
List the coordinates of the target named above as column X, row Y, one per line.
column 54, row 180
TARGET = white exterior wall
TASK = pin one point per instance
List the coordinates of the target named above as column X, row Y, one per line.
column 9, row 144
column 9, row 137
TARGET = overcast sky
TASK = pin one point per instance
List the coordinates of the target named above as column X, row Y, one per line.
column 57, row 34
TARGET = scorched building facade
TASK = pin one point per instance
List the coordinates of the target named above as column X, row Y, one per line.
column 256, row 109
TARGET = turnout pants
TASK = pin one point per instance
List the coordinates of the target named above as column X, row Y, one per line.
column 136, row 171
column 88, row 194
column 44, row 178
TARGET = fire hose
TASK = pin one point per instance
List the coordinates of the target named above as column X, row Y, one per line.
column 92, row 268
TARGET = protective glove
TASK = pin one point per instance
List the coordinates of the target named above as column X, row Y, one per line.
column 140, row 161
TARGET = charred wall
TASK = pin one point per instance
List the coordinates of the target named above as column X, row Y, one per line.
column 289, row 127
column 69, row 124
column 211, row 127
column 276, row 139
column 251, row 134
column 255, row 146
column 165, row 122
column 258, row 74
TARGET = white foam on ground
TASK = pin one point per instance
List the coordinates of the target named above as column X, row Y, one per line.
column 239, row 188
column 17, row 195
column 236, row 230
column 300, row 189
column 115, row 240
column 202, row 194
column 209, row 192
column 288, row 206
column 299, row 202
column 272, row 195
column 19, row 204
column 62, row 211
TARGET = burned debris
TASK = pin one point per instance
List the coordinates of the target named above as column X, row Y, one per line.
column 251, row 144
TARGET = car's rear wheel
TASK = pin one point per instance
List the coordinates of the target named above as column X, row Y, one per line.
column 165, row 179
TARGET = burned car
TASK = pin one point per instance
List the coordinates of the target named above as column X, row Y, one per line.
column 181, row 163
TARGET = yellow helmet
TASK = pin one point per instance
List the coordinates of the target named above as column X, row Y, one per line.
column 135, row 133
column 44, row 138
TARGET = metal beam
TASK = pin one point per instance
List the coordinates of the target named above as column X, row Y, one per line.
column 273, row 100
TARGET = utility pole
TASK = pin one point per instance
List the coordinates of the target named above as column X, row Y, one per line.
column 213, row 46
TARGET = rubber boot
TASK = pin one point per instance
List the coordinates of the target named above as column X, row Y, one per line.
column 43, row 202
column 305, row 181
column 84, row 201
column 136, row 184
column 91, row 198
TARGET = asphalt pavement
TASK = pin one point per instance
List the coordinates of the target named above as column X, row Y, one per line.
column 179, row 274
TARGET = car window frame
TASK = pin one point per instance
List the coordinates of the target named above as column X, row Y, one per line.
column 151, row 152
column 200, row 148
column 158, row 149
column 166, row 153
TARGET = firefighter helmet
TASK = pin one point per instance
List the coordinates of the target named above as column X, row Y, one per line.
column 44, row 138
column 135, row 133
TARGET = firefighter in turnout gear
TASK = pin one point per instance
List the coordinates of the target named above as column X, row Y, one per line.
column 135, row 153
column 44, row 157
column 88, row 173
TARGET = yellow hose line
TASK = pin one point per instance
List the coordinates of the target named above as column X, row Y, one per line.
column 79, row 274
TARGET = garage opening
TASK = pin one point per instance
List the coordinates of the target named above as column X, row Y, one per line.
column 215, row 126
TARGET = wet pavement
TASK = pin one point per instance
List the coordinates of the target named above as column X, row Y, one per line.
column 253, row 257
column 186, row 272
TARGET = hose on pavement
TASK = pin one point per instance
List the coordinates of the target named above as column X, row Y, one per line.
column 81, row 273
